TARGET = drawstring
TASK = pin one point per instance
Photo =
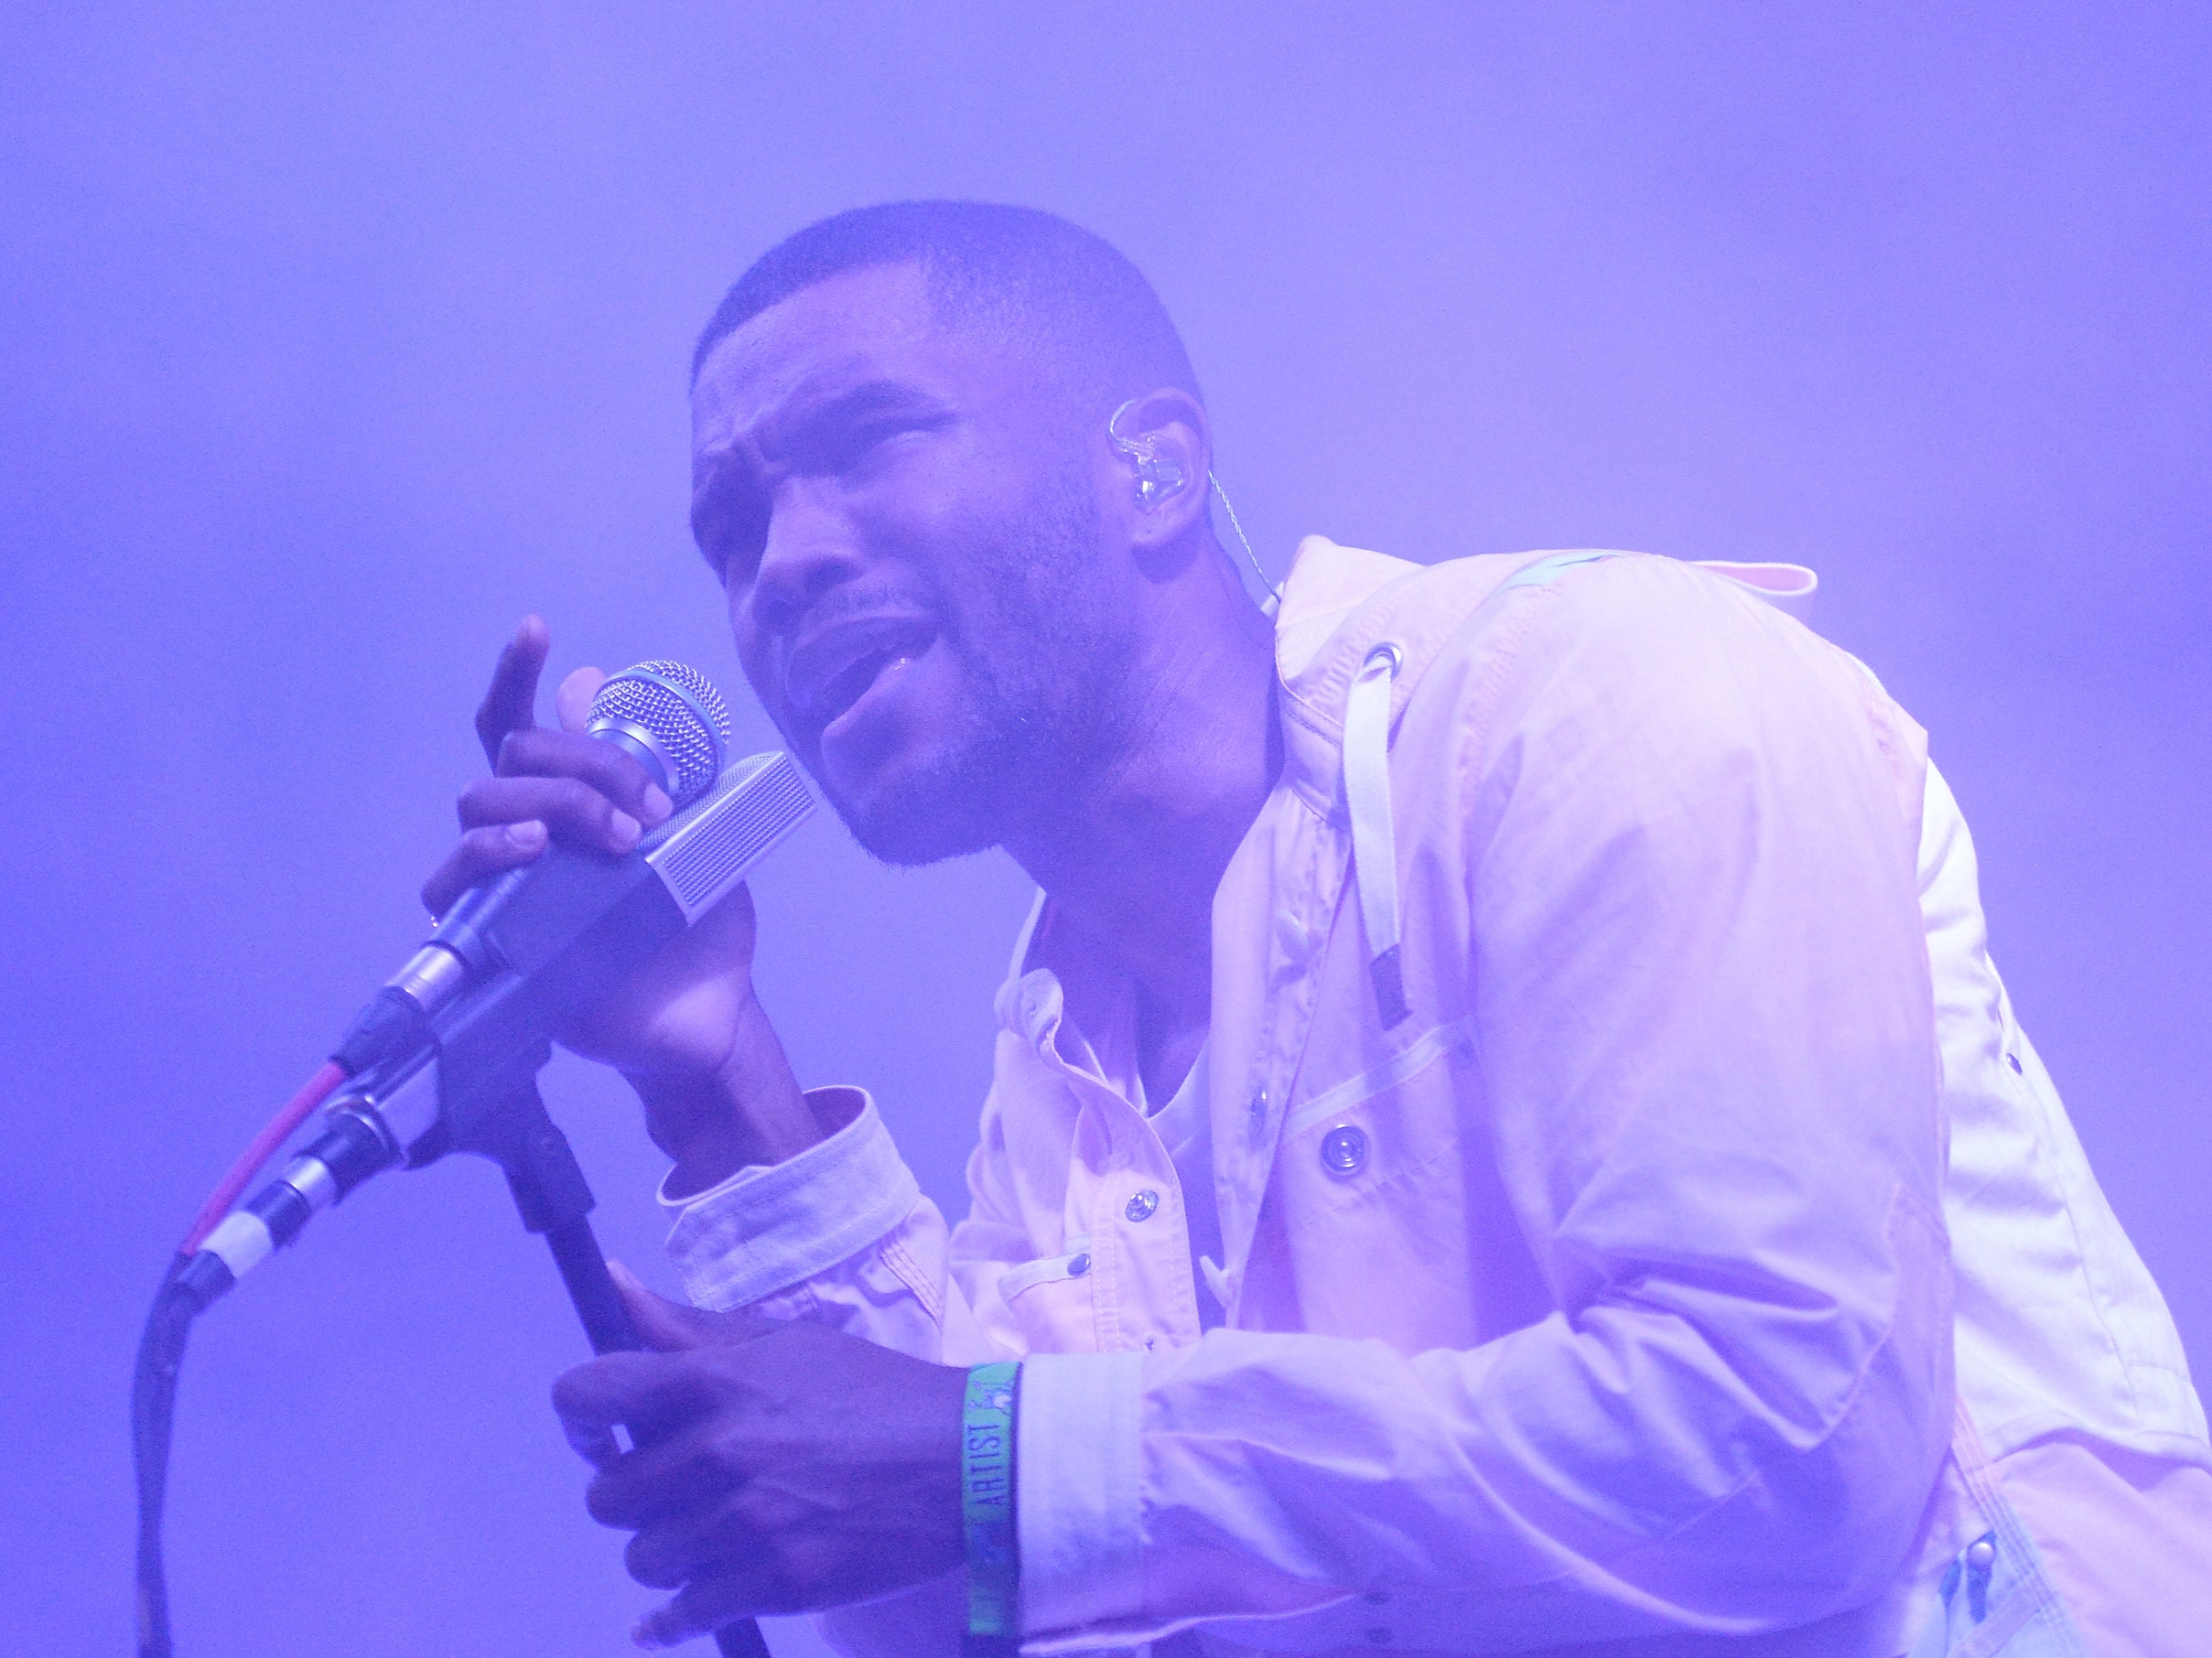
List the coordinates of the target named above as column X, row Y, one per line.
column 1373, row 841
column 1367, row 791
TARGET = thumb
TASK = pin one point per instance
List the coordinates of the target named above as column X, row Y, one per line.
column 670, row 1327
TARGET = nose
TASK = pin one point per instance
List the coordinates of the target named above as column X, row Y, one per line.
column 809, row 549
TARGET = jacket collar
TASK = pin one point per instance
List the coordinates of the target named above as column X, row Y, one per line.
column 1320, row 636
column 1315, row 658
column 1330, row 619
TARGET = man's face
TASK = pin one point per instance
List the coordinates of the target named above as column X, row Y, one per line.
column 911, row 547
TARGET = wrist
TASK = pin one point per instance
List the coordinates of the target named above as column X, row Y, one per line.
column 748, row 1109
column 986, row 1503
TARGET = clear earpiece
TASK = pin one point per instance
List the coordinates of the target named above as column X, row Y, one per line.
column 1157, row 476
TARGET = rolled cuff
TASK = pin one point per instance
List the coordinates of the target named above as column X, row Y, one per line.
column 772, row 1226
column 1076, row 1503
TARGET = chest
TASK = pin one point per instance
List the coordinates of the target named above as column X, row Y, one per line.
column 1351, row 1178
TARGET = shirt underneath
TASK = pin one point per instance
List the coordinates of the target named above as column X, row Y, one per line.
column 1185, row 1128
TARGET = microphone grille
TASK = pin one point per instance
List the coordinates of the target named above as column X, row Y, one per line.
column 682, row 710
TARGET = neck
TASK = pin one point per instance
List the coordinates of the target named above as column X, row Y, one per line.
column 1132, row 862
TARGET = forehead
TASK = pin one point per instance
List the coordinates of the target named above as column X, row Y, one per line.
column 856, row 328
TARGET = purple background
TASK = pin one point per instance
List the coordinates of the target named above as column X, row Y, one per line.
column 335, row 337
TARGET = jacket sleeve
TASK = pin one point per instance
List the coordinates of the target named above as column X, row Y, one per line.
column 842, row 1235
column 1707, row 1068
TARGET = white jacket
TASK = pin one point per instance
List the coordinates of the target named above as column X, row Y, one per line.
column 1697, row 1260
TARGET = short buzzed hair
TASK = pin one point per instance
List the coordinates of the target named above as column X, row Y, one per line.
column 1059, row 291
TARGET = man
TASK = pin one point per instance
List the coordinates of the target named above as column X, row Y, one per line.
column 1466, row 1167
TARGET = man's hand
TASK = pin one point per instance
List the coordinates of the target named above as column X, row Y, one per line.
column 687, row 1031
column 787, row 1467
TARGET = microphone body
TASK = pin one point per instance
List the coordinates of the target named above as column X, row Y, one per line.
column 473, row 1011
column 668, row 718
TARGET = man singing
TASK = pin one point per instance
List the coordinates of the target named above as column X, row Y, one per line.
column 1505, row 1132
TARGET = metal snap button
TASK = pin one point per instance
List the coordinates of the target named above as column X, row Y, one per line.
column 1141, row 1206
column 1078, row 1266
column 1255, row 1110
column 1344, row 1150
column 1980, row 1554
column 2013, row 1060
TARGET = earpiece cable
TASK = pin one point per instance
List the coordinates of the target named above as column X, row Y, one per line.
column 1161, row 478
column 1274, row 594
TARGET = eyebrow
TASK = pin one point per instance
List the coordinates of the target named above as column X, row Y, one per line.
column 807, row 414
column 724, row 486
column 855, row 403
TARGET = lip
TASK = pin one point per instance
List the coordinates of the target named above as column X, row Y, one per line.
column 832, row 668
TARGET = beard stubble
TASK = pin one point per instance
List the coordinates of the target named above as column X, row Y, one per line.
column 1044, row 671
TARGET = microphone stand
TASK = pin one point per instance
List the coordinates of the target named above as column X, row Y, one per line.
column 506, row 1121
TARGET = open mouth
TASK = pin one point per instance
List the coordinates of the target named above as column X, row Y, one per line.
column 842, row 694
column 830, row 672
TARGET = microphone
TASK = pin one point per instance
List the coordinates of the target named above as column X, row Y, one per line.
column 476, row 1006
column 667, row 716
column 671, row 719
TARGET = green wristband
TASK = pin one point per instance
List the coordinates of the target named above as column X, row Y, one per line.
column 987, row 1500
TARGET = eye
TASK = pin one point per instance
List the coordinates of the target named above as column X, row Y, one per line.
column 868, row 444
column 733, row 535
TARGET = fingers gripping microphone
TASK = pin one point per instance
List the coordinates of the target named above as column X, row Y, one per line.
column 667, row 716
column 476, row 1004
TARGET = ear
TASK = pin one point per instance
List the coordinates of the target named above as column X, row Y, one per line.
column 1161, row 438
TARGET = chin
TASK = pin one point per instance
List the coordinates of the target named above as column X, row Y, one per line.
column 958, row 776
column 908, row 844
column 921, row 815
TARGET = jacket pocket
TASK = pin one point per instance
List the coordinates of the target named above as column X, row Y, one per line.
column 1343, row 1145
column 1052, row 1300
column 1365, row 1231
column 1455, row 1041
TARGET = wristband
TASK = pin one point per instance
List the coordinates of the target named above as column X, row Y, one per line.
column 987, row 1503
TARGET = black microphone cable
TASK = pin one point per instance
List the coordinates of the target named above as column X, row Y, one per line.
column 179, row 1300
column 153, row 1413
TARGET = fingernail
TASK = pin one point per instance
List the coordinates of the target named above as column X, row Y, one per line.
column 657, row 804
column 642, row 1634
column 527, row 836
column 622, row 830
